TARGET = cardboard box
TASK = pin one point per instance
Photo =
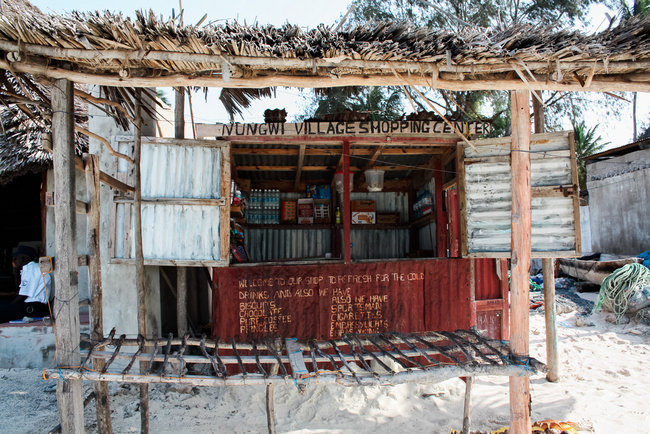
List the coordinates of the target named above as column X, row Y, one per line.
column 388, row 218
column 363, row 218
column 288, row 211
column 362, row 205
column 305, row 211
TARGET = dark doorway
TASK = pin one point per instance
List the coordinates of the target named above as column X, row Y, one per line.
column 20, row 222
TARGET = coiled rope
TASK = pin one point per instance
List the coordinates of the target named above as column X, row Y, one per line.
column 617, row 288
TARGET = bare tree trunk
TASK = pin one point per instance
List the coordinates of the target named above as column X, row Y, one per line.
column 634, row 136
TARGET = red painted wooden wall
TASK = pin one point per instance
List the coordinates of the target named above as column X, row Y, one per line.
column 325, row 301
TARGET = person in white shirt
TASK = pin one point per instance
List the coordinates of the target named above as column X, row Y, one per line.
column 34, row 289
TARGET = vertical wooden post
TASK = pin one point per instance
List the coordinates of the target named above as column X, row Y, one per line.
column 520, row 257
column 139, row 255
column 66, row 303
column 181, row 272
column 224, row 216
column 548, row 271
column 552, row 354
column 441, row 218
column 347, row 211
column 102, row 403
column 179, row 113
column 467, row 407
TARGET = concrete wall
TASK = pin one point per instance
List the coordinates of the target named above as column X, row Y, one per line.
column 619, row 203
column 118, row 280
column 82, row 236
column 585, row 230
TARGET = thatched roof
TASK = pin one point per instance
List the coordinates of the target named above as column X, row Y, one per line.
column 24, row 143
column 111, row 49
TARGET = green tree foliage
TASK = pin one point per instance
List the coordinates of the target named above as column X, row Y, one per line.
column 379, row 103
column 586, row 143
column 453, row 14
column 457, row 14
column 646, row 133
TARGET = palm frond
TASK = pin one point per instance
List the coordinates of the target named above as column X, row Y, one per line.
column 237, row 100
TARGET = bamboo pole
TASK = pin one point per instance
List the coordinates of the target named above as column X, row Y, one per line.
column 548, row 272
column 102, row 403
column 638, row 82
column 258, row 62
column 66, row 303
column 139, row 257
column 520, row 257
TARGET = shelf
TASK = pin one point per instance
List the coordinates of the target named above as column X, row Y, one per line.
column 424, row 220
column 376, row 226
column 289, row 226
column 328, row 226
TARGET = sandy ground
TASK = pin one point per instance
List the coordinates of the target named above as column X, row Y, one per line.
column 604, row 388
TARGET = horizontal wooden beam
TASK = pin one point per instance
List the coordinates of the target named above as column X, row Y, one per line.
column 106, row 178
column 214, row 61
column 429, row 140
column 337, row 151
column 115, row 183
column 81, row 207
column 287, row 185
column 175, row 201
column 172, row 262
column 534, row 254
column 636, row 82
column 323, row 168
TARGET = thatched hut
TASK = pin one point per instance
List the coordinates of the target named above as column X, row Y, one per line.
column 123, row 54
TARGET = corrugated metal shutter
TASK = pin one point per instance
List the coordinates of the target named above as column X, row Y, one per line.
column 185, row 190
column 486, row 197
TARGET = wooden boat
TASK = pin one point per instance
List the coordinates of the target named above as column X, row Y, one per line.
column 592, row 268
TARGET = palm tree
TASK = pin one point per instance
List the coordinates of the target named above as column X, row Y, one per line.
column 586, row 143
column 380, row 104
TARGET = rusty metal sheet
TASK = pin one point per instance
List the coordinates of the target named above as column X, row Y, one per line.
column 488, row 284
column 326, row 301
column 448, row 301
column 488, row 197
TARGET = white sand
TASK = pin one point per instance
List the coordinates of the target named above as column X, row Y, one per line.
column 604, row 387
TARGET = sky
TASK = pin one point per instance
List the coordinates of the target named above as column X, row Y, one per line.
column 308, row 14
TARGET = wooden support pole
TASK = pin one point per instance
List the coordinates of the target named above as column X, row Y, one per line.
column 467, row 407
column 179, row 113
column 301, row 161
column 347, row 211
column 270, row 404
column 520, row 257
column 441, row 216
column 548, row 271
column 139, row 256
column 102, row 403
column 66, row 304
column 181, row 272
column 552, row 354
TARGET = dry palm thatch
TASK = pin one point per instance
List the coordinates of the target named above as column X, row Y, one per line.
column 26, row 123
column 108, row 48
column 120, row 53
